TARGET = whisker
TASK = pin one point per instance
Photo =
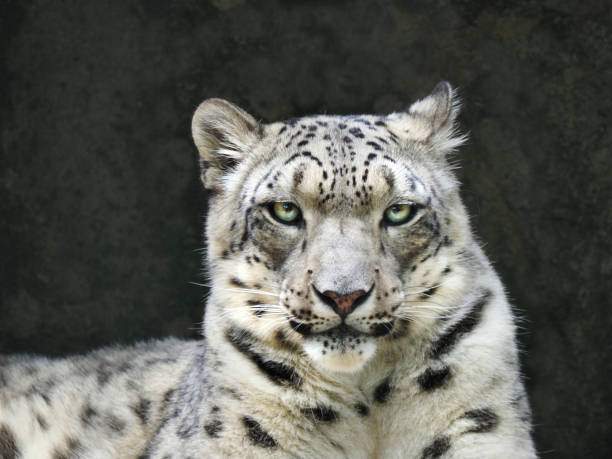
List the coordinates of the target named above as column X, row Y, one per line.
column 248, row 290
column 426, row 289
column 427, row 306
column 423, row 301
column 412, row 317
column 242, row 290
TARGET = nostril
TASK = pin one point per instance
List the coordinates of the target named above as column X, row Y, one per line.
column 362, row 298
column 343, row 304
column 328, row 300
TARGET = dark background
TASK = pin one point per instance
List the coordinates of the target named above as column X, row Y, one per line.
column 101, row 209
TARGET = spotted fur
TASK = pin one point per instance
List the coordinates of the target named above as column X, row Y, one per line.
column 337, row 334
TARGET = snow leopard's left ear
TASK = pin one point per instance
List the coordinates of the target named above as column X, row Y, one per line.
column 432, row 120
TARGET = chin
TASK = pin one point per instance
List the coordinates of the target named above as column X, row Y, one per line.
column 341, row 357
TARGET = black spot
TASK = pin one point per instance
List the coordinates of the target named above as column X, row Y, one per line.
column 357, row 132
column 302, row 143
column 381, row 329
column 298, row 176
column 292, row 137
column 389, row 158
column 283, row 342
column 437, row 448
column 245, row 233
column 188, row 427
column 115, row 424
column 142, row 410
column 382, row 391
column 446, row 342
column 87, row 414
column 104, row 373
column 432, row 379
column 362, row 409
column 42, row 422
column 320, row 413
column 300, row 327
column 237, row 282
column 309, row 155
column 8, row 445
column 213, row 428
column 486, row 420
column 257, row 435
column 292, row 158
column 277, row 372
column 375, row 146
column 69, row 452
column 429, row 292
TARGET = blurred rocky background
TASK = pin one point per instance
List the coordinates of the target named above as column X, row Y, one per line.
column 101, row 210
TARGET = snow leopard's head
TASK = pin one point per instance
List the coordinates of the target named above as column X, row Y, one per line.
column 331, row 236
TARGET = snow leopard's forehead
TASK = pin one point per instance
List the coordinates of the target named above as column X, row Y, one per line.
column 337, row 163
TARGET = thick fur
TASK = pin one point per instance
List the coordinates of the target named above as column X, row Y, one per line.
column 425, row 367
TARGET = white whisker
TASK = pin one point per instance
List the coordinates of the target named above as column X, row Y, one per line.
column 408, row 292
column 241, row 290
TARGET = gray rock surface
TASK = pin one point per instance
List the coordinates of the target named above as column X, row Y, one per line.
column 101, row 209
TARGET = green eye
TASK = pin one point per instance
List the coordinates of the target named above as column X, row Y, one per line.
column 398, row 214
column 286, row 212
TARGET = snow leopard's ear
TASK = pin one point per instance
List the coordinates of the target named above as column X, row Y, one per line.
column 432, row 120
column 224, row 134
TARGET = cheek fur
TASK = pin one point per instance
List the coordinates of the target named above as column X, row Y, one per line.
column 409, row 245
column 274, row 240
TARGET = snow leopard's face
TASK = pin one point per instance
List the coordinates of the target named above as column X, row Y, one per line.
column 329, row 235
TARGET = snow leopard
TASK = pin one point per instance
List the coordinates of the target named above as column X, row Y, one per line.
column 351, row 312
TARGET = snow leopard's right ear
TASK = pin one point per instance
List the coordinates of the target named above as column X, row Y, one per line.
column 223, row 133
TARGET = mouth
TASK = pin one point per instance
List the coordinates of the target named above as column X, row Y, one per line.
column 342, row 337
column 341, row 348
column 344, row 332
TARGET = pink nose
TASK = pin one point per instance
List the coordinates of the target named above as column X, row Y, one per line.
column 343, row 304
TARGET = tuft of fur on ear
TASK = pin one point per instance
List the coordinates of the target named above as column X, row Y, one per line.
column 223, row 134
column 432, row 120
